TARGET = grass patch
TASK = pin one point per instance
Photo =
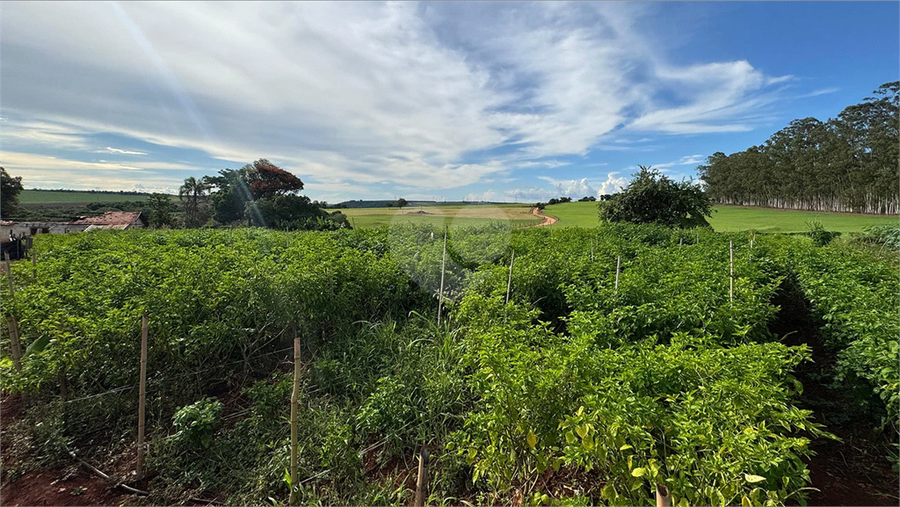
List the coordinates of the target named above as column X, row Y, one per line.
column 738, row 218
column 454, row 215
column 74, row 197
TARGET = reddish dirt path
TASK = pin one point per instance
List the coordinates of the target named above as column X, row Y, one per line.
column 60, row 487
column 548, row 220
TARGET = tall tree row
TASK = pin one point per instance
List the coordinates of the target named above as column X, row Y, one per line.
column 849, row 163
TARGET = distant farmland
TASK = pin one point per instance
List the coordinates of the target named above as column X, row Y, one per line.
column 517, row 215
column 738, row 218
column 75, row 197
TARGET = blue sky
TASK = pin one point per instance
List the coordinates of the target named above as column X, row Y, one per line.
column 502, row 101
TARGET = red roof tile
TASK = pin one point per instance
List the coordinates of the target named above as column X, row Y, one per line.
column 112, row 218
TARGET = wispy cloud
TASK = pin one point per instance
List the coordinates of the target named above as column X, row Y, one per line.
column 122, row 152
column 686, row 160
column 400, row 94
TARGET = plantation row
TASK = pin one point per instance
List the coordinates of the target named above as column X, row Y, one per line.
column 592, row 385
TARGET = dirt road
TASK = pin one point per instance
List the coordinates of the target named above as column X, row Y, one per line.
column 548, row 220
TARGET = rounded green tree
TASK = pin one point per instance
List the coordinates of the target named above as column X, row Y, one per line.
column 652, row 197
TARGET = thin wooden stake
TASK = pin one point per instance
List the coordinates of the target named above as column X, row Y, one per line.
column 750, row 253
column 142, row 396
column 731, row 277
column 512, row 259
column 295, row 405
column 663, row 497
column 422, row 480
column 14, row 344
column 443, row 263
column 9, row 277
column 618, row 265
column 592, row 250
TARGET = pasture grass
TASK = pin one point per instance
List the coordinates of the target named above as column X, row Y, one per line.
column 452, row 215
column 55, row 197
column 738, row 218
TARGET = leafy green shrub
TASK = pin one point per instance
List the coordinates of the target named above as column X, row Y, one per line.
column 714, row 424
column 885, row 235
column 196, row 422
column 819, row 235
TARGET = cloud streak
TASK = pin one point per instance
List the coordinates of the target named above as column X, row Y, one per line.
column 427, row 96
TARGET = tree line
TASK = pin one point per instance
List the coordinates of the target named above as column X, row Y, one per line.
column 849, row 163
column 258, row 194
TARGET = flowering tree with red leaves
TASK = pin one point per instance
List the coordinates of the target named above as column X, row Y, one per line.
column 265, row 179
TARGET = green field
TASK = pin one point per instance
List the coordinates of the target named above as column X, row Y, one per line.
column 738, row 218
column 454, row 215
column 56, row 197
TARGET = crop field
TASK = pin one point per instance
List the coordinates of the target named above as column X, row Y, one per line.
column 540, row 366
column 739, row 218
column 516, row 215
column 27, row 197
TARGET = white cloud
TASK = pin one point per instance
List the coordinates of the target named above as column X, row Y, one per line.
column 395, row 93
column 122, row 152
column 686, row 160
column 613, row 184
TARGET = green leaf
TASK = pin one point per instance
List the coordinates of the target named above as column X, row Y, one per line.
column 532, row 439
column 625, row 447
column 581, row 429
column 37, row 345
column 639, row 472
column 753, row 478
column 570, row 437
column 587, row 442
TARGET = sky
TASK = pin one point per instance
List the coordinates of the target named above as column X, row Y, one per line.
column 497, row 101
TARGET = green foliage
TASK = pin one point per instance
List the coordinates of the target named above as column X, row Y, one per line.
column 819, row 235
column 293, row 212
column 193, row 194
column 885, row 235
column 661, row 380
column 848, row 163
column 637, row 414
column 195, row 422
column 651, row 197
column 10, row 187
column 161, row 209
column 855, row 298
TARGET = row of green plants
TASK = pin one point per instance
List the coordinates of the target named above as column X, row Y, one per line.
column 576, row 391
column 855, row 300
column 715, row 424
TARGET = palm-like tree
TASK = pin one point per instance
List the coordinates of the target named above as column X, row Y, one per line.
column 192, row 193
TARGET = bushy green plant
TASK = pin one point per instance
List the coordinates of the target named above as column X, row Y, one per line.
column 886, row 235
column 639, row 414
column 196, row 422
column 819, row 235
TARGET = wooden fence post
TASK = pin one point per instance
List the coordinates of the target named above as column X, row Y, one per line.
column 142, row 396
column 512, row 259
column 15, row 345
column 731, row 276
column 618, row 265
column 295, row 405
column 663, row 497
column 9, row 278
column 443, row 262
column 422, row 480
